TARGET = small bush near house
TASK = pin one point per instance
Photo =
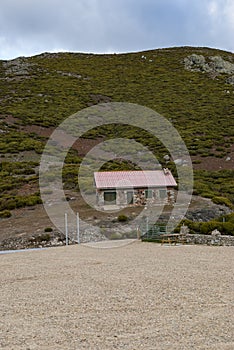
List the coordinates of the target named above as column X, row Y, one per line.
column 130, row 235
column 116, row 235
column 48, row 229
column 44, row 237
column 122, row 218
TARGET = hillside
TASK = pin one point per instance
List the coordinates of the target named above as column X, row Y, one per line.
column 192, row 87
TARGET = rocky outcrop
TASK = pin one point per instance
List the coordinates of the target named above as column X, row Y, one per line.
column 207, row 214
column 17, row 68
column 230, row 80
column 214, row 65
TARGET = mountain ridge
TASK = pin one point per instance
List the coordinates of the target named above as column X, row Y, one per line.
column 37, row 93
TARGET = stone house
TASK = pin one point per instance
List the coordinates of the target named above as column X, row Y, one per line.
column 121, row 188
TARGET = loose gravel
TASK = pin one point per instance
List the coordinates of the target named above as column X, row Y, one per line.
column 138, row 296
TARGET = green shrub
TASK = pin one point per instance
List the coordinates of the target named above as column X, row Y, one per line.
column 228, row 228
column 32, row 200
column 122, row 218
column 222, row 201
column 11, row 202
column 116, row 235
column 44, row 237
column 48, row 229
column 5, row 214
column 132, row 234
column 227, row 218
column 205, row 228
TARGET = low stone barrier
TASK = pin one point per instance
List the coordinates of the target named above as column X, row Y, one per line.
column 218, row 240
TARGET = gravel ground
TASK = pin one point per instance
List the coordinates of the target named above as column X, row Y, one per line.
column 140, row 296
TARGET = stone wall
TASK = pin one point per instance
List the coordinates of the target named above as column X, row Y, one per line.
column 139, row 197
column 218, row 240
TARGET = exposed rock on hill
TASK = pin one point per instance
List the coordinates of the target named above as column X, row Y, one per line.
column 215, row 65
column 230, row 80
column 207, row 214
column 16, row 68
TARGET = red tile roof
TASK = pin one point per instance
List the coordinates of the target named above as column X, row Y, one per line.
column 136, row 179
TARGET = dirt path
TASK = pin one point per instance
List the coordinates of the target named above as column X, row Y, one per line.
column 140, row 296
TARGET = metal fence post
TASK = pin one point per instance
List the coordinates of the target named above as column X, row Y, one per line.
column 78, row 228
column 66, row 229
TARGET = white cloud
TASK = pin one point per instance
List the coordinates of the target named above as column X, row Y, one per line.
column 228, row 12
column 32, row 26
column 221, row 14
column 213, row 9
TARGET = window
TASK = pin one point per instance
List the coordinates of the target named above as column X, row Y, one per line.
column 148, row 194
column 130, row 197
column 110, row 197
column 162, row 194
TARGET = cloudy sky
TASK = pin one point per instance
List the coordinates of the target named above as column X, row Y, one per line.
column 29, row 27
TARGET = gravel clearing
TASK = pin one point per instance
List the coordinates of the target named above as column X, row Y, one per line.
column 140, row 296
